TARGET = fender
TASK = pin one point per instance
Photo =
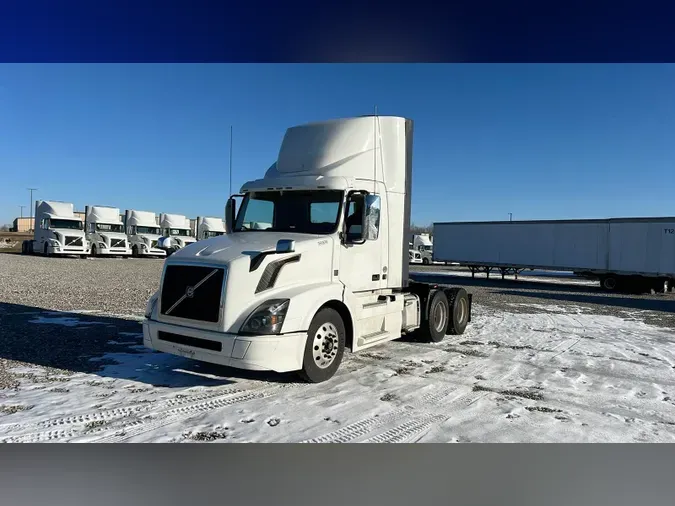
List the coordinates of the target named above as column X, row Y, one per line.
column 306, row 301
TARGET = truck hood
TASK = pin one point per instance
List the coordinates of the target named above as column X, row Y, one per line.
column 250, row 258
column 113, row 235
column 69, row 232
column 228, row 247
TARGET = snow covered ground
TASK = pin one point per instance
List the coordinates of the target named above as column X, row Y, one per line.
column 542, row 373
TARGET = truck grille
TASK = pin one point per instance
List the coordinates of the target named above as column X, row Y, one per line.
column 192, row 292
column 117, row 243
column 72, row 241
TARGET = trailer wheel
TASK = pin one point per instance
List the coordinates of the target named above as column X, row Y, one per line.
column 458, row 300
column 325, row 346
column 436, row 324
column 609, row 283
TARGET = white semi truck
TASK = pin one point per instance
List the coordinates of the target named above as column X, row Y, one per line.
column 57, row 231
column 424, row 244
column 207, row 227
column 330, row 273
column 625, row 254
column 176, row 232
column 143, row 233
column 105, row 231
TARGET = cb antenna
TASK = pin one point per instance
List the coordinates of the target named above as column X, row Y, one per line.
column 375, row 151
column 230, row 163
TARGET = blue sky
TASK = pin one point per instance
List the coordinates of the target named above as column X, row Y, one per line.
column 538, row 141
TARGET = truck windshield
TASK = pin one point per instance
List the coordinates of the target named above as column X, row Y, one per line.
column 428, row 248
column 109, row 227
column 147, row 230
column 179, row 232
column 212, row 234
column 305, row 212
column 67, row 224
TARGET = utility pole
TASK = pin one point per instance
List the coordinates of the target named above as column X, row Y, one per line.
column 31, row 190
column 22, row 210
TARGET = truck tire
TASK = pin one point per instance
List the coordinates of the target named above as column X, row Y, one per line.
column 425, row 261
column 94, row 251
column 609, row 283
column 46, row 250
column 436, row 324
column 134, row 251
column 325, row 346
column 458, row 300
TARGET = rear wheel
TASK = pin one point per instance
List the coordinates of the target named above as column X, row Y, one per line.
column 325, row 346
column 458, row 300
column 609, row 283
column 436, row 325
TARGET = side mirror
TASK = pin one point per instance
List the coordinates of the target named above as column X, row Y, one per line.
column 230, row 213
column 371, row 218
column 285, row 246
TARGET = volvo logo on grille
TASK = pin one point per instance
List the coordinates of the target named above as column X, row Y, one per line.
column 190, row 292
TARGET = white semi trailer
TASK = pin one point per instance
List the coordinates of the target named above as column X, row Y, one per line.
column 330, row 273
column 176, row 232
column 57, row 231
column 143, row 233
column 207, row 227
column 105, row 231
column 628, row 254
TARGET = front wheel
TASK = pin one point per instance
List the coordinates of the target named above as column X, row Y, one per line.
column 425, row 261
column 325, row 346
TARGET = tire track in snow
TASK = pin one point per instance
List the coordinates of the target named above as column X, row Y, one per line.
column 171, row 410
column 406, row 431
column 147, row 424
column 367, row 425
column 122, row 412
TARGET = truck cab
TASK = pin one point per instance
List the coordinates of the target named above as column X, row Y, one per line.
column 314, row 262
column 208, row 227
column 143, row 233
column 176, row 232
column 423, row 244
column 105, row 231
column 58, row 231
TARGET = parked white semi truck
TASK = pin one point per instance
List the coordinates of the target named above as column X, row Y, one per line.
column 207, row 227
column 176, row 232
column 143, row 233
column 58, row 231
column 330, row 272
column 105, row 231
column 423, row 244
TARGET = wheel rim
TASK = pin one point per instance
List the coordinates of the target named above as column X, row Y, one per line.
column 439, row 317
column 325, row 345
column 461, row 311
column 610, row 283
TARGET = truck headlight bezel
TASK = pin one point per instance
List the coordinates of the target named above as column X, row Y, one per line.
column 267, row 319
column 151, row 305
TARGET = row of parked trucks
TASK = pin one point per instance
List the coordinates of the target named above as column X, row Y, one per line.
column 105, row 232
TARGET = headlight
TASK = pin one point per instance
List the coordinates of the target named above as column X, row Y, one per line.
column 267, row 318
column 150, row 307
